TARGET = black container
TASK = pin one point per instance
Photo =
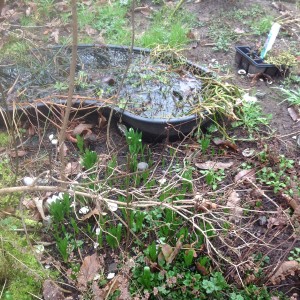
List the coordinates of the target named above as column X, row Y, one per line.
column 250, row 61
column 154, row 129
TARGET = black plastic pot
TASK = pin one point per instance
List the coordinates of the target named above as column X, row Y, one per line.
column 251, row 62
column 153, row 129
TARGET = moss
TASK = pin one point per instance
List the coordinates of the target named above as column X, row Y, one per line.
column 4, row 139
column 18, row 266
column 6, row 179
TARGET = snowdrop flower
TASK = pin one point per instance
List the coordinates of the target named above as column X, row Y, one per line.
column 111, row 275
column 96, row 245
column 51, row 137
column 97, row 231
column 84, row 210
column 54, row 142
column 28, row 180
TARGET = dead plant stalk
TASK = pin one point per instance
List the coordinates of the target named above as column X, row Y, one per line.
column 62, row 135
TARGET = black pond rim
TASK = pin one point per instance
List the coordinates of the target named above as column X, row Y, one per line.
column 153, row 128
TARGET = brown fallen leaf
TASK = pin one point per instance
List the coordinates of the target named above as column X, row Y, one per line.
column 89, row 268
column 51, row 291
column 233, row 202
column 213, row 165
column 171, row 253
column 65, row 149
column 287, row 268
column 94, row 212
column 245, row 175
column 120, row 282
column 82, row 128
column 90, row 30
column 72, row 168
column 55, row 35
column 201, row 269
column 294, row 113
column 18, row 153
column 225, row 144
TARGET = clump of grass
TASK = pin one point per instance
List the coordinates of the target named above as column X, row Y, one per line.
column 292, row 96
column 167, row 30
column 262, row 26
column 111, row 21
column 15, row 49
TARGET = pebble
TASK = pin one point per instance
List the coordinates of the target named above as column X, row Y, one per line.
column 142, row 166
column 260, row 95
column 262, row 220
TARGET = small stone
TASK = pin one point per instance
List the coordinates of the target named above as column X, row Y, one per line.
column 260, row 95
column 142, row 166
column 28, row 180
column 111, row 275
column 84, row 210
column 262, row 220
column 112, row 206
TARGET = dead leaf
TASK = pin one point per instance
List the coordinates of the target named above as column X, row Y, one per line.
column 18, row 153
column 31, row 130
column 88, row 270
column 239, row 30
column 90, row 30
column 191, row 35
column 51, row 291
column 233, row 202
column 70, row 138
column 120, row 282
column 245, row 175
column 201, row 269
column 55, row 35
column 170, row 253
column 82, row 128
column 72, row 168
column 294, row 114
column 65, row 149
column 287, row 268
column 212, row 165
column 144, row 10
column 225, row 144
column 279, row 220
column 94, row 212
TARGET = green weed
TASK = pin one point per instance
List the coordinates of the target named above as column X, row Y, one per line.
column 167, row 30
column 295, row 254
column 251, row 117
column 112, row 23
column 262, row 26
column 292, row 96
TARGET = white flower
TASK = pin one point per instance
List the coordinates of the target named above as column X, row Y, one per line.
column 111, row 275
column 51, row 137
column 84, row 210
column 28, row 180
column 96, row 277
column 162, row 181
column 96, row 245
column 54, row 142
column 112, row 206
column 97, row 231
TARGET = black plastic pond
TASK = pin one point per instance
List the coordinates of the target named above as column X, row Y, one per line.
column 155, row 98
